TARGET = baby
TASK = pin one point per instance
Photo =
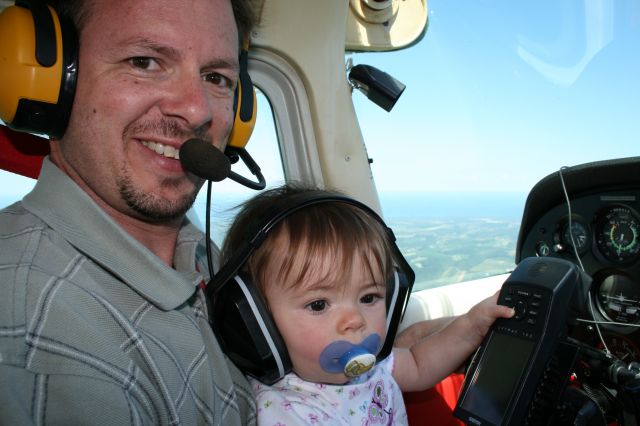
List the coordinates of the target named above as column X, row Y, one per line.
column 323, row 271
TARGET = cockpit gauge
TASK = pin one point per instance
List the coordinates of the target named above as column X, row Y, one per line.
column 580, row 232
column 619, row 299
column 618, row 235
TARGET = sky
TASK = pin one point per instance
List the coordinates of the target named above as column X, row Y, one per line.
column 500, row 93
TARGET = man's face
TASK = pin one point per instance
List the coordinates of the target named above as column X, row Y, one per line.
column 152, row 74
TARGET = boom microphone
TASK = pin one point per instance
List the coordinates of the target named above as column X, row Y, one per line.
column 204, row 160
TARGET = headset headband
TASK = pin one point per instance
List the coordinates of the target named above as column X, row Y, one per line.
column 275, row 216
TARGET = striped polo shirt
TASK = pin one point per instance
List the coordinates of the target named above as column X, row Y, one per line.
column 96, row 330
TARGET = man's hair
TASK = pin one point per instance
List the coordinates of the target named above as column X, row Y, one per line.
column 75, row 10
column 245, row 13
column 78, row 11
column 304, row 241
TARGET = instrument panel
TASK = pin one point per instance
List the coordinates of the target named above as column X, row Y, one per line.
column 598, row 228
column 611, row 234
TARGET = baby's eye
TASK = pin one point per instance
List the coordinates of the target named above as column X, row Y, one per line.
column 369, row 298
column 317, row 305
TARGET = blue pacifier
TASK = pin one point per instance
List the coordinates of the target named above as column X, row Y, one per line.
column 348, row 358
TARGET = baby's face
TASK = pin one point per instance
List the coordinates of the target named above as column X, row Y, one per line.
column 314, row 314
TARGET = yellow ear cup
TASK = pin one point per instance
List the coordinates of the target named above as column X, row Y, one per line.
column 245, row 117
column 245, row 104
column 21, row 76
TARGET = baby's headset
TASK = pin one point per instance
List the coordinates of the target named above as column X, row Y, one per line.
column 39, row 70
column 240, row 317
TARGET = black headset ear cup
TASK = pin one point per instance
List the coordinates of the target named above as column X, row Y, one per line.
column 39, row 68
column 398, row 293
column 247, row 332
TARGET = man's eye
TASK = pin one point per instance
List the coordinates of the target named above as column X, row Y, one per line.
column 142, row 62
column 317, row 305
column 217, row 80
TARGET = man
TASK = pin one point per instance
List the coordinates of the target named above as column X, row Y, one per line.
column 101, row 321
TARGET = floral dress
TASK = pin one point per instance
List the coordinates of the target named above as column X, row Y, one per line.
column 371, row 399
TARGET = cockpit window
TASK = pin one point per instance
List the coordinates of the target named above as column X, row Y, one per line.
column 499, row 94
column 14, row 187
column 226, row 195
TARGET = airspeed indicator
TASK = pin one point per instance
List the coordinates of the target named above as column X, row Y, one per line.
column 618, row 235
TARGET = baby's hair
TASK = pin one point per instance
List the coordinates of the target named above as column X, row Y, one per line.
column 305, row 240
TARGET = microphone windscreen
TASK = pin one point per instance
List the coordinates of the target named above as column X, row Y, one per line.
column 204, row 160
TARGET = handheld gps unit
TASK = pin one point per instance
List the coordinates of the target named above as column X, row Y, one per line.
column 524, row 362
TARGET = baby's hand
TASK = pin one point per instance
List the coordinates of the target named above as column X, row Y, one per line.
column 482, row 315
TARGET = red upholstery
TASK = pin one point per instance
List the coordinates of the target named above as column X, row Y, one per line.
column 435, row 406
column 22, row 153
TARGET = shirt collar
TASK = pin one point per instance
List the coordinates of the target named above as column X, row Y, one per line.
column 67, row 209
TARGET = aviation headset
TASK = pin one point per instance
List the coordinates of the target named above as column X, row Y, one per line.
column 240, row 316
column 39, row 70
